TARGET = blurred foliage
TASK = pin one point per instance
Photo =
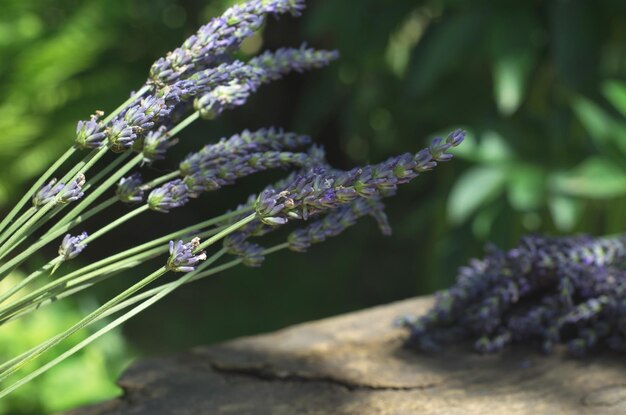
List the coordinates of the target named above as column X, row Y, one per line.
column 81, row 379
column 540, row 86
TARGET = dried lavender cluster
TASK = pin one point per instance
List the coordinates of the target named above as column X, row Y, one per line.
column 569, row 290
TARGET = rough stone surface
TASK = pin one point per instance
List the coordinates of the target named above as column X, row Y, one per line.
column 355, row 364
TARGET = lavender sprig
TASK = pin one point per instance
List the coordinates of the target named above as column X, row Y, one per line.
column 336, row 222
column 229, row 170
column 322, row 189
column 220, row 36
column 268, row 67
column 246, row 142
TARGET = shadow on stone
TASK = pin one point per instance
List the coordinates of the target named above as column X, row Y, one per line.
column 355, row 364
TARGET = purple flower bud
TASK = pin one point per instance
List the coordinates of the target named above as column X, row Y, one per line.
column 90, row 134
column 169, row 196
column 47, row 193
column 155, row 145
column 183, row 257
column 71, row 246
column 129, row 189
column 251, row 254
column 73, row 191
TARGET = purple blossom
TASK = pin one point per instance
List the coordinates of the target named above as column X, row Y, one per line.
column 244, row 143
column 47, row 193
column 221, row 36
column 269, row 66
column 90, row 134
column 171, row 195
column 129, row 189
column 335, row 222
column 59, row 193
column 183, row 257
column 71, row 246
column 155, row 145
column 230, row 169
column 322, row 189
column 250, row 253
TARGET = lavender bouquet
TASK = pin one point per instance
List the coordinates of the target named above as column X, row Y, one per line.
column 199, row 80
column 569, row 290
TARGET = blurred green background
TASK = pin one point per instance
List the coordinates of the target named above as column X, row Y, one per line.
column 539, row 85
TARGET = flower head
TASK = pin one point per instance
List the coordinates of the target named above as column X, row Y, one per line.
column 90, row 133
column 59, row 193
column 129, row 189
column 183, row 257
column 250, row 253
column 156, row 143
column 71, row 246
column 169, row 196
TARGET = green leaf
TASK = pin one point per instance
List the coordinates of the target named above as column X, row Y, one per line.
column 526, row 187
column 615, row 93
column 595, row 178
column 602, row 127
column 434, row 57
column 473, row 189
column 513, row 56
column 565, row 212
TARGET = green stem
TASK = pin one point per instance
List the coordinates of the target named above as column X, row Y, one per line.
column 112, row 166
column 83, row 204
column 101, row 332
column 81, row 218
column 17, row 287
column 18, row 223
column 39, row 350
column 183, row 124
column 102, row 265
column 160, row 180
column 35, row 187
column 119, row 221
column 232, row 228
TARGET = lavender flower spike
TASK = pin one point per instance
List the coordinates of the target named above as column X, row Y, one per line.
column 336, row 222
column 169, row 196
column 220, row 36
column 269, row 66
column 250, row 253
column 321, row 190
column 246, row 142
column 129, row 189
column 182, row 257
column 71, row 246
